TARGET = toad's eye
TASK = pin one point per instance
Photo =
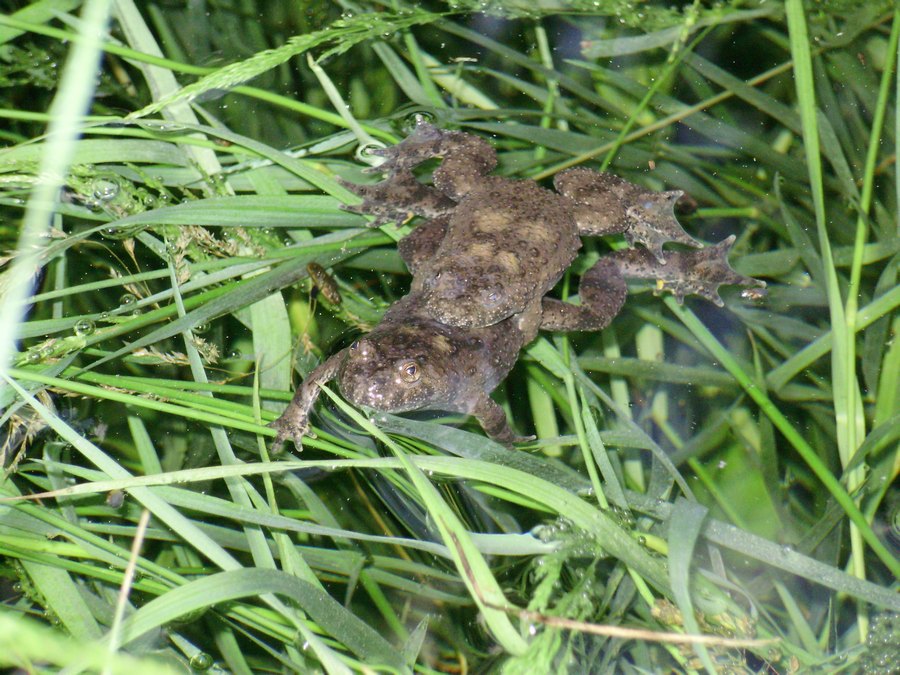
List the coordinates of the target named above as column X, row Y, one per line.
column 354, row 345
column 409, row 371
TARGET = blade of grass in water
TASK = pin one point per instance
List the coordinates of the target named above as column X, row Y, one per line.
column 70, row 103
column 848, row 409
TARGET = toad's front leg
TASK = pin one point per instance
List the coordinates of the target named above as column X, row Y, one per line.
column 294, row 421
column 397, row 199
column 603, row 289
column 492, row 419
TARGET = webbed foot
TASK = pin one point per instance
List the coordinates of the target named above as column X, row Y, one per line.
column 686, row 272
column 466, row 158
column 607, row 204
column 427, row 142
column 704, row 271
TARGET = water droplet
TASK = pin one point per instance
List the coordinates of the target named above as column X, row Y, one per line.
column 200, row 328
column 84, row 327
column 201, row 661
column 127, row 300
column 417, row 117
column 104, row 189
column 170, row 126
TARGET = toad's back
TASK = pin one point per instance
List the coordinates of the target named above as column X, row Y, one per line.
column 507, row 244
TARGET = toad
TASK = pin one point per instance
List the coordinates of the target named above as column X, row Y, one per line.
column 482, row 265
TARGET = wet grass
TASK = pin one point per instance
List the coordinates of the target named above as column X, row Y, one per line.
column 698, row 470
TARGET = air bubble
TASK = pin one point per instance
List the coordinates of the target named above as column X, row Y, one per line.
column 368, row 150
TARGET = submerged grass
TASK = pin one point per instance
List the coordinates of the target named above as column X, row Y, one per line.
column 725, row 472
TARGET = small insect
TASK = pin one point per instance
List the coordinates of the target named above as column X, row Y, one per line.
column 324, row 283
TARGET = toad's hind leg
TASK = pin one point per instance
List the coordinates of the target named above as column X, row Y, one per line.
column 466, row 158
column 607, row 204
column 602, row 290
column 603, row 287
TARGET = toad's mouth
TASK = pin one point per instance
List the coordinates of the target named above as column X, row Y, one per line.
column 380, row 391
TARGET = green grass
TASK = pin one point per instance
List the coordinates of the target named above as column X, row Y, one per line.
column 726, row 472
